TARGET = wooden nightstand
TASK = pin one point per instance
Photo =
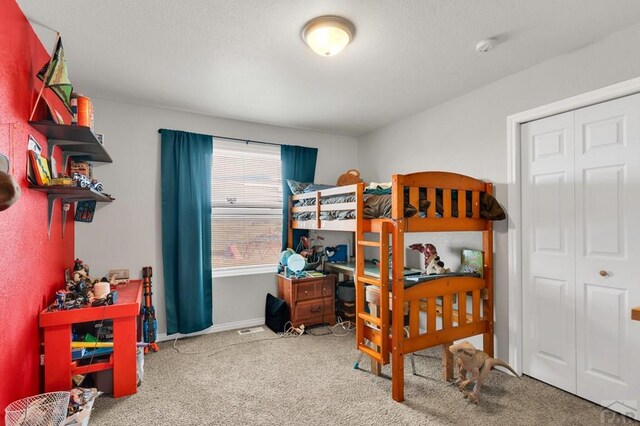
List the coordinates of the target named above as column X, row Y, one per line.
column 311, row 300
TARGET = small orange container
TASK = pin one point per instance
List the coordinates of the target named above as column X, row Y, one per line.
column 85, row 112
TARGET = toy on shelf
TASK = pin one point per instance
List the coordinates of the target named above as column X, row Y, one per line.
column 432, row 262
column 81, row 290
column 436, row 266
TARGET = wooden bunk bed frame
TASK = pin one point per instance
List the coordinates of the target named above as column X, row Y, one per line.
column 373, row 335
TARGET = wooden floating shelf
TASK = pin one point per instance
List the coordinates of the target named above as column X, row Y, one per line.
column 67, row 194
column 77, row 142
column 72, row 193
column 74, row 141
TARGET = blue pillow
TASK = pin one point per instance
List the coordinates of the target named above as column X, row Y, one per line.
column 296, row 187
column 317, row 187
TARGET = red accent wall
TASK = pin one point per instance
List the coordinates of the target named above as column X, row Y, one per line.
column 31, row 266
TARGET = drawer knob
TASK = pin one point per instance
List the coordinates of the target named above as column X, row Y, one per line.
column 603, row 273
column 306, row 292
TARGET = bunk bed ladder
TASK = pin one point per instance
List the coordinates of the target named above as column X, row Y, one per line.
column 372, row 331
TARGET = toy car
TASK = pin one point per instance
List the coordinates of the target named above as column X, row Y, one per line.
column 96, row 185
column 81, row 180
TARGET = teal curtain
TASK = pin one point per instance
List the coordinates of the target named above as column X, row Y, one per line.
column 185, row 164
column 298, row 163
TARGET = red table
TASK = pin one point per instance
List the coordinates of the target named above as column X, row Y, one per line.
column 58, row 367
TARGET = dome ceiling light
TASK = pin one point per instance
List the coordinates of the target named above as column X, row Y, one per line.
column 328, row 35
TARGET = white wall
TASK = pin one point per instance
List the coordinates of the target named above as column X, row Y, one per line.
column 127, row 232
column 468, row 135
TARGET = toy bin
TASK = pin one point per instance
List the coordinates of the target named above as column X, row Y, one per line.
column 39, row 410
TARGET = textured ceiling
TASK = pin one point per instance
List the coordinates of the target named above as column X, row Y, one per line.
column 245, row 59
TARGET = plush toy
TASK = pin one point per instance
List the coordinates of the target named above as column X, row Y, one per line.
column 428, row 250
column 432, row 262
column 435, row 266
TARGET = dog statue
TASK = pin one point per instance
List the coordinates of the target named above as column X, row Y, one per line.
column 478, row 363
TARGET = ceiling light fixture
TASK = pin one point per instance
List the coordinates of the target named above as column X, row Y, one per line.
column 328, row 35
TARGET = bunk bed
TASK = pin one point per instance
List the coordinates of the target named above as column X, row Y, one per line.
column 419, row 202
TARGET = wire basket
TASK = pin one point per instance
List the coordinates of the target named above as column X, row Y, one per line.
column 46, row 409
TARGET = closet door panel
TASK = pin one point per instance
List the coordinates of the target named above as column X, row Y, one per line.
column 603, row 212
column 548, row 250
column 607, row 179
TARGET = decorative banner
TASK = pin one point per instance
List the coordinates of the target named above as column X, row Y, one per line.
column 54, row 75
column 56, row 88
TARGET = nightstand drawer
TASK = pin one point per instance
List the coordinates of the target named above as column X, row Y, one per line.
column 305, row 291
column 318, row 309
column 325, row 288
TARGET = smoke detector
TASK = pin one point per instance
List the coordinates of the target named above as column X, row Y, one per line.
column 483, row 46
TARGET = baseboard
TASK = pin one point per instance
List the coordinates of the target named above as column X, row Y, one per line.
column 214, row 329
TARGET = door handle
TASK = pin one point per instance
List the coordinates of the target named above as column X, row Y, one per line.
column 603, row 273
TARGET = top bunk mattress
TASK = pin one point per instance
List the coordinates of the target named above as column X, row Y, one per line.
column 378, row 204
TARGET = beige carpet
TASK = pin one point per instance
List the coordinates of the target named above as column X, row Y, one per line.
column 310, row 380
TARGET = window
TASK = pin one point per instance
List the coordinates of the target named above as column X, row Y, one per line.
column 246, row 220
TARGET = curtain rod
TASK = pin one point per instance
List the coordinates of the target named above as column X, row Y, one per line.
column 239, row 140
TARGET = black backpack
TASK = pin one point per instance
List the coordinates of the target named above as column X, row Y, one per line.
column 276, row 313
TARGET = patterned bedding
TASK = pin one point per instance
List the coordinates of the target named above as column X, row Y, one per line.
column 379, row 206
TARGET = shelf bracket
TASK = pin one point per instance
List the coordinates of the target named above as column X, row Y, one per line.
column 66, row 205
column 51, row 199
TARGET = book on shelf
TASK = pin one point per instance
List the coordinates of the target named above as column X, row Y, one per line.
column 40, row 168
column 471, row 261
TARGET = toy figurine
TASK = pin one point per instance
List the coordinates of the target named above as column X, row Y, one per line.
column 427, row 249
column 436, row 266
column 432, row 263
column 476, row 362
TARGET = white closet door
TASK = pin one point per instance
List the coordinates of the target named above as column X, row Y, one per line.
column 607, row 176
column 548, row 251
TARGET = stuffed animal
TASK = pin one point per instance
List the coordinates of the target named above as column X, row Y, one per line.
column 435, row 266
column 432, row 262
column 428, row 250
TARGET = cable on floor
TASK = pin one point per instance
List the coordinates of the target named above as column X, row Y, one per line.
column 289, row 331
column 340, row 329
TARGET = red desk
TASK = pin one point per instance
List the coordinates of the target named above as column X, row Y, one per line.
column 58, row 367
